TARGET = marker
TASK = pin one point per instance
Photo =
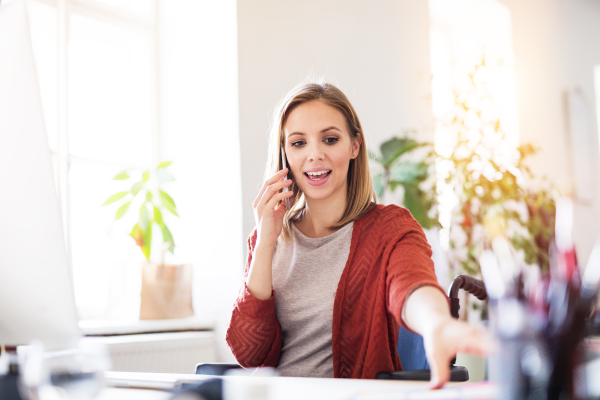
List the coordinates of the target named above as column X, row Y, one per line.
column 492, row 276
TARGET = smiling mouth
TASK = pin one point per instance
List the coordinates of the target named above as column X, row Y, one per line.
column 317, row 176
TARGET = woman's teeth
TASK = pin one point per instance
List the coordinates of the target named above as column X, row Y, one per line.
column 317, row 176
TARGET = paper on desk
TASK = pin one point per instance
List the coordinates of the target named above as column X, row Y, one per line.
column 480, row 391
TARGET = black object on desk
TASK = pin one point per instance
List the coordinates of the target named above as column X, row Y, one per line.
column 217, row 369
column 9, row 387
column 210, row 389
column 457, row 374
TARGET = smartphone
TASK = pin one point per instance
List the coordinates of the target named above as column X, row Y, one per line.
column 285, row 189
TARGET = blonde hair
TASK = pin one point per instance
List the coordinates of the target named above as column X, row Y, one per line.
column 360, row 195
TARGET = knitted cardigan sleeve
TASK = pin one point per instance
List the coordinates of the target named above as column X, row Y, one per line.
column 410, row 265
column 254, row 333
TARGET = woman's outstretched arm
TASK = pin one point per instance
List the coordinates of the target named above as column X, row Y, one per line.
column 420, row 304
column 426, row 312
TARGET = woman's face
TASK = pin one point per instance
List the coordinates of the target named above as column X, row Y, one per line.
column 319, row 149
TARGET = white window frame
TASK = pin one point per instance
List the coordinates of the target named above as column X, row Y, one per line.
column 149, row 25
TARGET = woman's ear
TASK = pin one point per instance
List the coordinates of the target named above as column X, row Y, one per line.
column 355, row 147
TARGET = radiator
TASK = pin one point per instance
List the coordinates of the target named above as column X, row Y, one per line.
column 172, row 352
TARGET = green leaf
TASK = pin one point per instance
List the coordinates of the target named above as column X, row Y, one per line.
column 144, row 216
column 168, row 202
column 146, row 176
column 136, row 187
column 158, row 216
column 167, row 236
column 136, row 234
column 379, row 185
column 171, row 209
column 115, row 197
column 373, row 156
column 416, row 202
column 147, row 237
column 164, row 176
column 408, row 172
column 149, row 196
column 122, row 210
column 395, row 147
column 164, row 164
column 165, row 198
column 121, row 176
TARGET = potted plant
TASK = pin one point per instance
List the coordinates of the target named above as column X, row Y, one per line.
column 408, row 166
column 403, row 168
column 166, row 289
column 490, row 180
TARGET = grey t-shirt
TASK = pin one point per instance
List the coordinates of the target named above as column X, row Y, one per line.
column 306, row 273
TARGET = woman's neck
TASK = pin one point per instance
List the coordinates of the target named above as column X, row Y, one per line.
column 319, row 215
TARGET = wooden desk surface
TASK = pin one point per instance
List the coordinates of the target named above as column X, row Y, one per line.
column 292, row 388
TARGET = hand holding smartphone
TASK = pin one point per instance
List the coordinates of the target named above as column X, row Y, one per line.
column 285, row 189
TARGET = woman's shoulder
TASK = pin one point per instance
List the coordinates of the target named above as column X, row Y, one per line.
column 387, row 220
column 387, row 214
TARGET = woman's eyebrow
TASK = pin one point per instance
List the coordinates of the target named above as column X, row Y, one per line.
column 322, row 131
column 331, row 127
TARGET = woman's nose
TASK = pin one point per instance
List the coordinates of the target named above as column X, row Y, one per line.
column 316, row 153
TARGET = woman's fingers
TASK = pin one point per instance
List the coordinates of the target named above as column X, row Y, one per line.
column 272, row 190
column 478, row 341
column 440, row 371
column 277, row 198
column 277, row 177
column 454, row 337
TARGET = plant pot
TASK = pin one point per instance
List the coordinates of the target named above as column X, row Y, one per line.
column 166, row 291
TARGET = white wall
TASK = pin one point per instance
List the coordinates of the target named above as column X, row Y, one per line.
column 200, row 134
column 376, row 52
column 557, row 44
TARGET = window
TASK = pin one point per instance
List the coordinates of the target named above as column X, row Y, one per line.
column 461, row 32
column 97, row 63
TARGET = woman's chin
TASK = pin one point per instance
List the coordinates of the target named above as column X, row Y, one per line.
column 321, row 192
column 317, row 193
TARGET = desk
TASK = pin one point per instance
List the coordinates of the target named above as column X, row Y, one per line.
column 283, row 388
column 132, row 394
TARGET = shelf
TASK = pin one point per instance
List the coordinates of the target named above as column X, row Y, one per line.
column 104, row 327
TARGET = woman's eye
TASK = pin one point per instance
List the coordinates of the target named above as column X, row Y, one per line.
column 330, row 140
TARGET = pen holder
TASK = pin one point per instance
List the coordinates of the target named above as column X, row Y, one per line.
column 523, row 366
column 537, row 360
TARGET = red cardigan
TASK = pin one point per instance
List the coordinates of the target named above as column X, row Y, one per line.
column 389, row 256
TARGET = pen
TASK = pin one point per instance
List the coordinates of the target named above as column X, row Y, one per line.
column 591, row 275
column 492, row 277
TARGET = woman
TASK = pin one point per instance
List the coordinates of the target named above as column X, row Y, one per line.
column 328, row 281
